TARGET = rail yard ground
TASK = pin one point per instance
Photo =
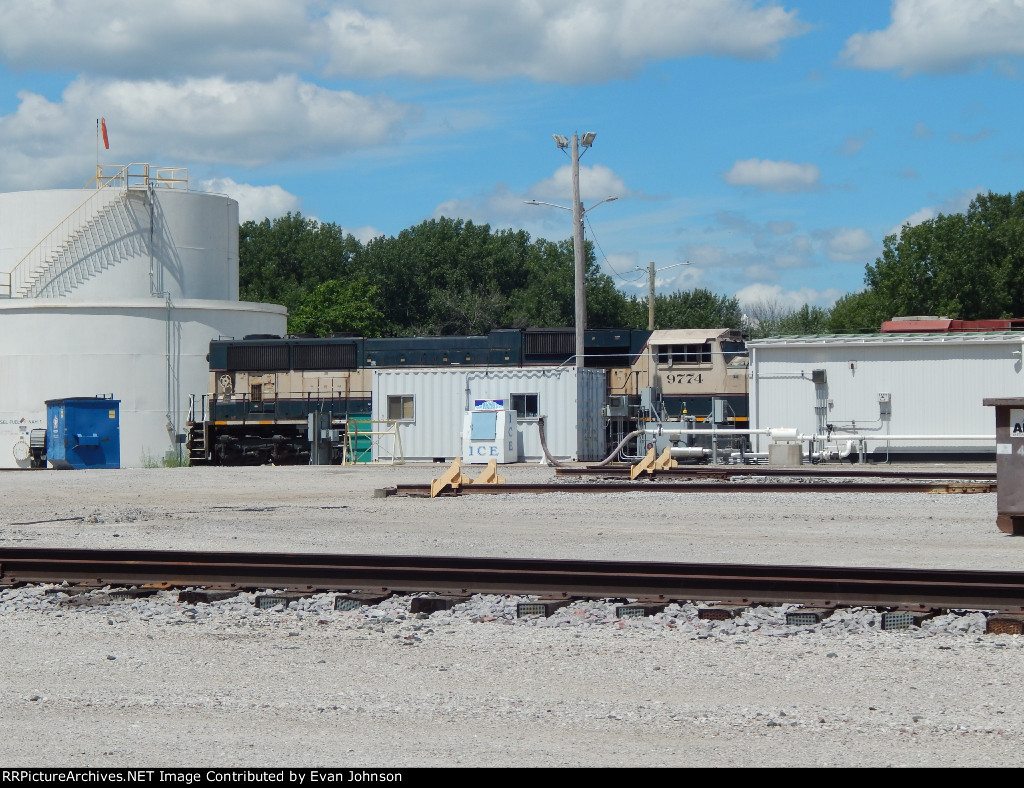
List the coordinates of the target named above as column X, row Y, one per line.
column 88, row 682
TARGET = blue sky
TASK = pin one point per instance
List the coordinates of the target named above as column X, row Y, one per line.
column 772, row 145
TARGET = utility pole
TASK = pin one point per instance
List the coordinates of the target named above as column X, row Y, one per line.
column 579, row 253
column 579, row 250
column 650, row 297
column 650, row 289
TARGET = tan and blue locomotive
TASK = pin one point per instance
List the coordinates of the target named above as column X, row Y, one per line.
column 264, row 389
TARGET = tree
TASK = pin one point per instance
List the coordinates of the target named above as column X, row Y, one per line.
column 772, row 318
column 282, row 261
column 698, row 308
column 446, row 276
column 337, row 306
column 857, row 313
column 966, row 266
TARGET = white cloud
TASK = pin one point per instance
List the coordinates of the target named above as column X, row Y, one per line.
column 576, row 41
column 193, row 121
column 847, row 244
column 793, row 299
column 251, row 38
column 958, row 202
column 596, row 183
column 364, row 234
column 503, row 206
column 254, row 202
column 941, row 36
column 774, row 176
column 916, row 218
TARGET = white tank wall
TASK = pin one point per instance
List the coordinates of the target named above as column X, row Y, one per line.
column 184, row 243
column 150, row 358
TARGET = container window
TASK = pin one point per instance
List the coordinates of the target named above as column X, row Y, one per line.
column 525, row 405
column 400, row 407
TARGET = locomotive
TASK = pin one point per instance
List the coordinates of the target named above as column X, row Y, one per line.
column 265, row 391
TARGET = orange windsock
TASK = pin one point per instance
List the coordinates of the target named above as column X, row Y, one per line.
column 103, row 130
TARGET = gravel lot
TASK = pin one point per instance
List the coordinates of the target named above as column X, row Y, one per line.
column 87, row 682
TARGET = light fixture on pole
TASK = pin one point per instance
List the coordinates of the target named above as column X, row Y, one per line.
column 579, row 254
column 650, row 297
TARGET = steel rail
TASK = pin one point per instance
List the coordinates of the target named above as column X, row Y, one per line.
column 724, row 486
column 735, row 583
column 810, row 472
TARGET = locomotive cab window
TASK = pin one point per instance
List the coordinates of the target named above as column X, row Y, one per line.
column 525, row 405
column 678, row 355
column 400, row 407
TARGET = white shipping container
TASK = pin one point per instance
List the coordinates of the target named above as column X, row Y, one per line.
column 430, row 405
column 886, row 384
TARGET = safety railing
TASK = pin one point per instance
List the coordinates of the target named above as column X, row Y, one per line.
column 139, row 175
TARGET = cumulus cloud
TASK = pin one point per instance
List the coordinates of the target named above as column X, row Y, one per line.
column 774, row 176
column 846, row 244
column 941, row 36
column 596, row 183
column 958, row 202
column 576, row 41
column 547, row 40
column 254, row 202
column 254, row 38
column 502, row 205
column 917, row 217
column 193, row 121
column 760, row 293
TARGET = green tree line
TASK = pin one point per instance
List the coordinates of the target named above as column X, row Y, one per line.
column 449, row 276
column 444, row 276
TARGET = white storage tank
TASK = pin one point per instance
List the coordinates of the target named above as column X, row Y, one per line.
column 118, row 291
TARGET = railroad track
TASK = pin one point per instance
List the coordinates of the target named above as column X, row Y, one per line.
column 807, row 472
column 922, row 589
column 700, row 486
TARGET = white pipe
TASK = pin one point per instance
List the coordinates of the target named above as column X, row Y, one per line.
column 685, row 452
column 790, row 434
column 884, row 438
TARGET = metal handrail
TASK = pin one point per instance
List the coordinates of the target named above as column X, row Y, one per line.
column 18, row 275
column 140, row 175
column 121, row 176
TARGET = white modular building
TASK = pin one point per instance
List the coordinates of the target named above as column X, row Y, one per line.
column 117, row 291
column 910, row 395
column 429, row 406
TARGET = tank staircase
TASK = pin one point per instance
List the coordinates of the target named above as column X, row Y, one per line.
column 71, row 255
column 97, row 234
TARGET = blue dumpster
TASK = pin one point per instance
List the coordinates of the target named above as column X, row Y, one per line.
column 83, row 432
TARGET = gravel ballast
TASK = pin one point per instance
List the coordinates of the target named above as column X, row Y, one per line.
column 152, row 682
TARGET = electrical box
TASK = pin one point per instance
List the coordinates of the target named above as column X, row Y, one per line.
column 885, row 406
column 617, row 407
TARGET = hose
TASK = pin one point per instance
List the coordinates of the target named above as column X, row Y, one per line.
column 552, row 461
column 544, row 444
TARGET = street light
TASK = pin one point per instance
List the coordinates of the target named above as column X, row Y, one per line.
column 577, row 232
column 650, row 298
